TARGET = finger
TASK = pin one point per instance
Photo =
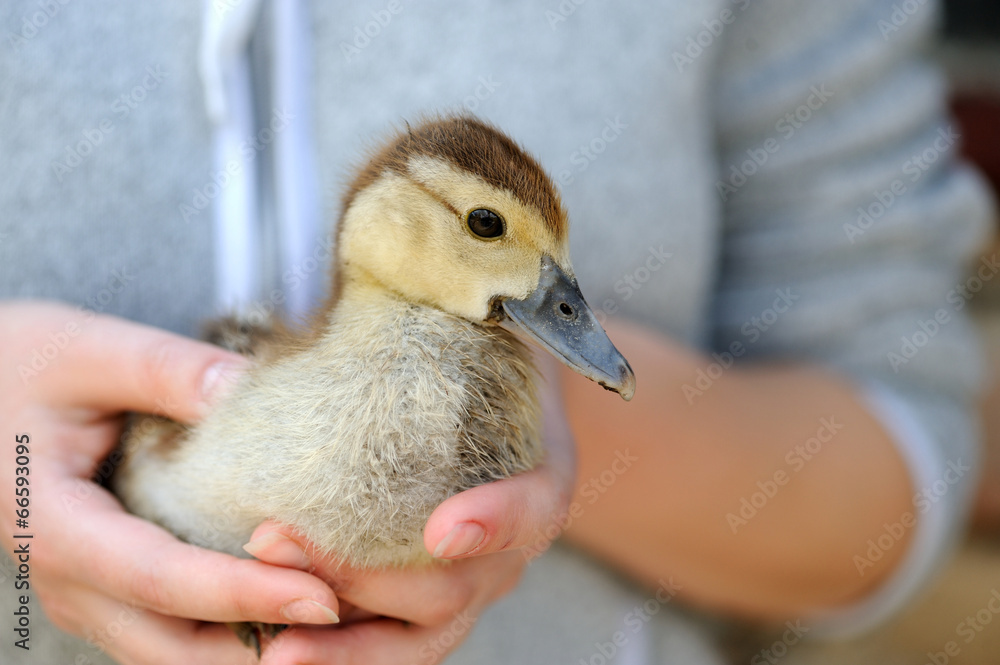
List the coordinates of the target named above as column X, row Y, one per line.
column 278, row 545
column 132, row 635
column 506, row 514
column 427, row 595
column 141, row 368
column 424, row 595
column 378, row 642
column 136, row 561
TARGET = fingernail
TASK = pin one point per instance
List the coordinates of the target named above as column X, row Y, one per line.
column 463, row 539
column 308, row 611
column 279, row 550
column 219, row 379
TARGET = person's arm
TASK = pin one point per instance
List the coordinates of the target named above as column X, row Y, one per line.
column 677, row 510
column 839, row 291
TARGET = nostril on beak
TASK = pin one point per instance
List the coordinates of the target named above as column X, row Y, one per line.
column 565, row 311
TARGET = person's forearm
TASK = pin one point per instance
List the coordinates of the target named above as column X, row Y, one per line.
column 755, row 493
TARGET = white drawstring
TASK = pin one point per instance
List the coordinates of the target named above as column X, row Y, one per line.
column 224, row 63
column 297, row 200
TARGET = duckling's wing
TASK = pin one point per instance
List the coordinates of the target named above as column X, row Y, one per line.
column 246, row 334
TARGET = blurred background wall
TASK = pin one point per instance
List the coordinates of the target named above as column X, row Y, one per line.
column 960, row 606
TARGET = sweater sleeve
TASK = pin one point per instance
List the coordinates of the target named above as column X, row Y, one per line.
column 848, row 224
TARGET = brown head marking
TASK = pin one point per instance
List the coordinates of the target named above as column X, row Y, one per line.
column 473, row 146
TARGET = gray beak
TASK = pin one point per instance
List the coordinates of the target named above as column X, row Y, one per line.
column 556, row 316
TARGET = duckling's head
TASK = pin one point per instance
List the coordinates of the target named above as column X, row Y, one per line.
column 453, row 214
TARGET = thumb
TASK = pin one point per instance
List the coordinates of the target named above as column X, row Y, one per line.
column 141, row 368
column 526, row 510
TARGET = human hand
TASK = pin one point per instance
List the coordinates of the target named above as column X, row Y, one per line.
column 420, row 615
column 127, row 586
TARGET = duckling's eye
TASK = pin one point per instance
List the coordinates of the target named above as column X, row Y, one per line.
column 485, row 223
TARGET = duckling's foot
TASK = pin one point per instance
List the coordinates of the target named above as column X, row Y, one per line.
column 255, row 634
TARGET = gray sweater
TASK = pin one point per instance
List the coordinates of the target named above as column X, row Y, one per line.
column 762, row 178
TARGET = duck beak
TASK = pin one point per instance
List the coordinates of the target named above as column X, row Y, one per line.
column 556, row 316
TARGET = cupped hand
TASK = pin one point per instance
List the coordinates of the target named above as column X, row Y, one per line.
column 124, row 584
column 420, row 615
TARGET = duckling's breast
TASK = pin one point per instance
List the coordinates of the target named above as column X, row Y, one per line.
column 357, row 439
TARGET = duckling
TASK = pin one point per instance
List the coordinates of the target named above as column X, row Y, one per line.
column 414, row 382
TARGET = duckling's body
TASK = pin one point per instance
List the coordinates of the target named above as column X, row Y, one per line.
column 354, row 439
column 411, row 386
